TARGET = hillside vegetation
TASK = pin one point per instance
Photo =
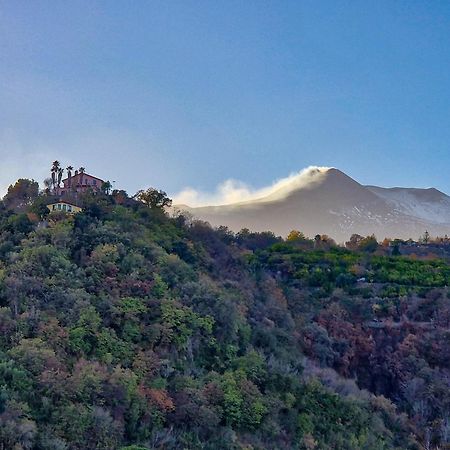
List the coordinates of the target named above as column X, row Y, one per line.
column 123, row 328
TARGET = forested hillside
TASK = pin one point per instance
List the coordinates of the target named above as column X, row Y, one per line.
column 124, row 328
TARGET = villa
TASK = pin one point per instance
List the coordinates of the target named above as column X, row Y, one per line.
column 80, row 182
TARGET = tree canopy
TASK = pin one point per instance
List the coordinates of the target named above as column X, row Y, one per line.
column 153, row 198
column 21, row 194
column 125, row 328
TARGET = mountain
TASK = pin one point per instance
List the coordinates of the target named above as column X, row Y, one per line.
column 327, row 201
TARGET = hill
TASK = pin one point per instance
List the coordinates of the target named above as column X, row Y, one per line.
column 123, row 328
column 327, row 201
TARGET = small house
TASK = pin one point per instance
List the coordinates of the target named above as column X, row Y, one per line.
column 62, row 206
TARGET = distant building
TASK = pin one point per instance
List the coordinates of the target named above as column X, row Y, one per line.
column 79, row 183
column 62, row 206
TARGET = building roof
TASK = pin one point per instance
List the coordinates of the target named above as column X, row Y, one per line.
column 84, row 175
column 65, row 202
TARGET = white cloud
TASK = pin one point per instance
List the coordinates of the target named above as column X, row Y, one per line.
column 234, row 191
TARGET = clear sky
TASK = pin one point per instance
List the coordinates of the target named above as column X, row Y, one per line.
column 192, row 93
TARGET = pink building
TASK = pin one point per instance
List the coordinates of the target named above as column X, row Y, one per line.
column 80, row 182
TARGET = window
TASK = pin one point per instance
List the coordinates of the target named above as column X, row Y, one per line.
column 53, row 207
column 64, row 207
column 59, row 206
column 69, row 208
column 94, row 182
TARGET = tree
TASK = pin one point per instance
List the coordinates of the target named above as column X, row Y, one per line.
column 396, row 250
column 40, row 208
column 21, row 194
column 323, row 242
column 60, row 174
column 54, row 172
column 254, row 240
column 353, row 242
column 120, row 196
column 48, row 186
column 17, row 430
column 106, row 187
column 386, row 243
column 69, row 175
column 81, row 171
column 369, row 244
column 153, row 198
column 295, row 235
column 19, row 223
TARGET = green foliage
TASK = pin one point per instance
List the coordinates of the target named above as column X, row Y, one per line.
column 295, row 236
column 368, row 244
column 242, row 403
column 180, row 323
column 153, row 198
column 133, row 447
column 123, row 328
column 19, row 223
column 21, row 194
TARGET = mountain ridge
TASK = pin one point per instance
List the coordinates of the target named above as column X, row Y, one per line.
column 328, row 201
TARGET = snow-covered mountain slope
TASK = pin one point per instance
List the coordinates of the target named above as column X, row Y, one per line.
column 327, row 201
column 428, row 204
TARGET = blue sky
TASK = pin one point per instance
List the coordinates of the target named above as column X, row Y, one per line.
column 192, row 93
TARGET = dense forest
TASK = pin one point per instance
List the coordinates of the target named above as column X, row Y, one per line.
column 122, row 327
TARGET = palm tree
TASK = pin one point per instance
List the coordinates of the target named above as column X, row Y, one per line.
column 81, row 171
column 53, row 178
column 69, row 175
column 55, row 168
column 60, row 174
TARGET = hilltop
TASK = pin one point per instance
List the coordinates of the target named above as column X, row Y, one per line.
column 124, row 328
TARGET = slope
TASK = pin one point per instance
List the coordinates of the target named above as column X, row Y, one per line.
column 330, row 202
column 121, row 328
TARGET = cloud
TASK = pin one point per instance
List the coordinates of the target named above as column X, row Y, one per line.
column 235, row 191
